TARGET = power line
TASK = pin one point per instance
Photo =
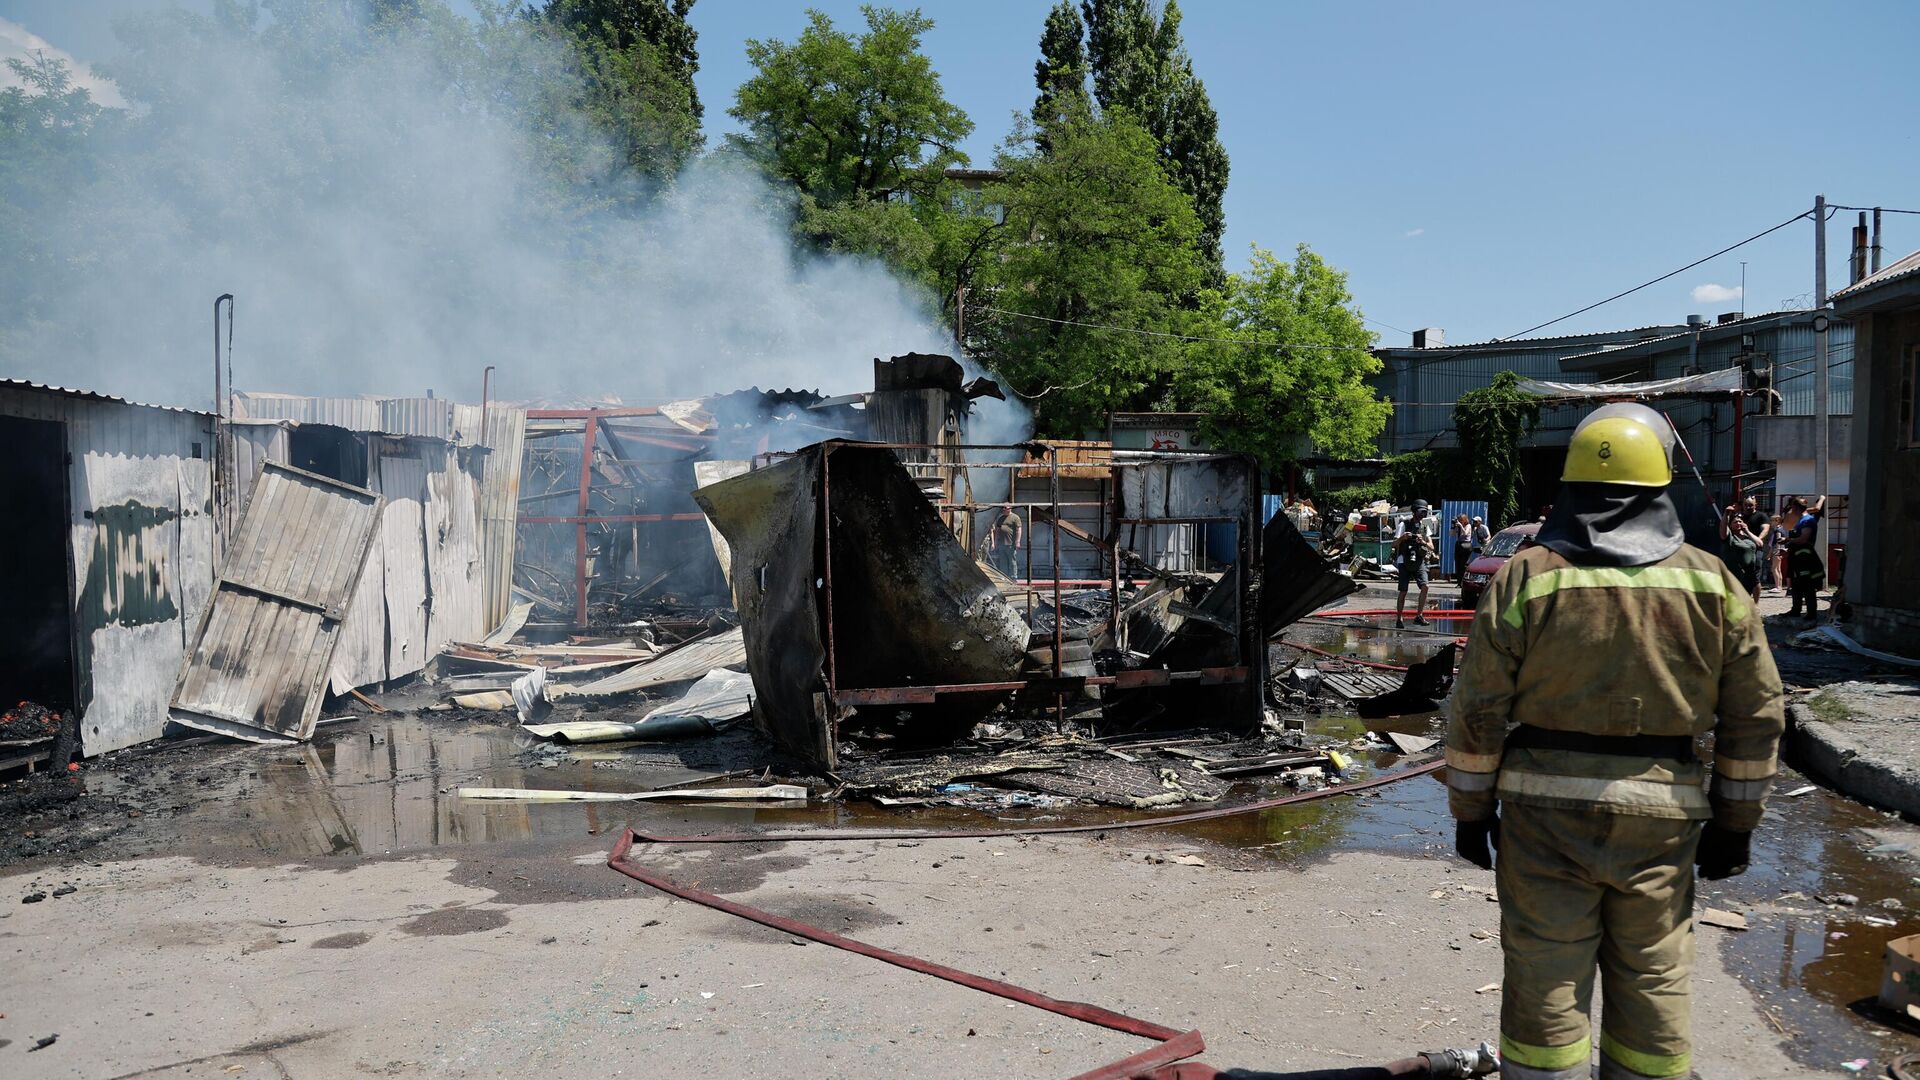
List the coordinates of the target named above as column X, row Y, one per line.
column 1661, row 278
column 1875, row 209
column 1164, row 334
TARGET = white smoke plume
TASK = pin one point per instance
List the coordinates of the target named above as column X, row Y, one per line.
column 387, row 229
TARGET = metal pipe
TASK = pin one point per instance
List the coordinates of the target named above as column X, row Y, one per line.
column 221, row 462
column 486, row 393
column 580, row 530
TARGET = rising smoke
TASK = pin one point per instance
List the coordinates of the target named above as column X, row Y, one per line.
column 392, row 220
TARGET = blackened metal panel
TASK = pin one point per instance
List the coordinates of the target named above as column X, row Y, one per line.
column 258, row 668
column 1295, row 579
column 770, row 518
column 910, row 606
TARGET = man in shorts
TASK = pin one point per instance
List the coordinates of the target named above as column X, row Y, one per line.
column 1412, row 549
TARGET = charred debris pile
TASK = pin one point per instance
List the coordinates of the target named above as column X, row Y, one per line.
column 902, row 613
column 851, row 591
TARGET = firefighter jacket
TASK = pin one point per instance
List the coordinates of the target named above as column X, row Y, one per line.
column 1657, row 650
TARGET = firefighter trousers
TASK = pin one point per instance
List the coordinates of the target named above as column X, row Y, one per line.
column 1580, row 888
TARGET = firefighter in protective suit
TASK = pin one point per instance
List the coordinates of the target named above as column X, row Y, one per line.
column 1594, row 661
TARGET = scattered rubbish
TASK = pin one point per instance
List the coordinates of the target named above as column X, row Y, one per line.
column 1490, row 988
column 1425, row 684
column 42, row 1044
column 33, row 897
column 1189, row 860
column 530, row 696
column 1804, row 789
column 1410, row 744
column 1856, row 1065
column 1726, row 920
column 1900, row 975
column 774, row 791
column 816, row 835
column 1838, row 899
column 1839, row 636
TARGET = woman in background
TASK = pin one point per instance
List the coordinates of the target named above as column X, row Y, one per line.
column 1462, row 545
column 1742, row 553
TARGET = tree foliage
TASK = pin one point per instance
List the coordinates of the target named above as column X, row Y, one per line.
column 1095, row 233
column 1492, row 421
column 636, row 59
column 1139, row 63
column 47, row 124
column 850, row 117
column 1061, row 72
column 1306, row 383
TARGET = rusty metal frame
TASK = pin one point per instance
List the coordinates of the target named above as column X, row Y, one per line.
column 591, row 421
column 1056, row 684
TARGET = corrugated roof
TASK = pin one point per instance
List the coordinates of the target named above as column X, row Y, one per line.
column 95, row 395
column 1906, row 267
column 1706, row 331
column 1528, row 343
column 429, row 418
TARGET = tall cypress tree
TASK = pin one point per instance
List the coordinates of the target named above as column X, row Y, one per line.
column 1061, row 72
column 1140, row 63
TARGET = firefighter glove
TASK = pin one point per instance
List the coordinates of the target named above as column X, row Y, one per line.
column 1476, row 841
column 1723, row 852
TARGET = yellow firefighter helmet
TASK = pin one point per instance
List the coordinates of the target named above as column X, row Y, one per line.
column 1621, row 445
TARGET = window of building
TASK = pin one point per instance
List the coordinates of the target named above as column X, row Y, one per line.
column 1910, row 399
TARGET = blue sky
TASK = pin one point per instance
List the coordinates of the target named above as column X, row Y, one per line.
column 1480, row 168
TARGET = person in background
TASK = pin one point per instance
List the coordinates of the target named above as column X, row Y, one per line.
column 1805, row 575
column 1003, row 542
column 1756, row 521
column 1412, row 549
column 1741, row 552
column 1482, row 536
column 1776, row 575
column 1462, row 545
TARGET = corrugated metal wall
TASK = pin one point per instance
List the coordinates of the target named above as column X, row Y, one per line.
column 505, row 433
column 140, row 487
column 260, row 665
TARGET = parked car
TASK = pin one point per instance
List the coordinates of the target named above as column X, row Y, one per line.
column 1504, row 545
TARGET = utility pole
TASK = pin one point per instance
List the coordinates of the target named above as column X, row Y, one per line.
column 960, row 318
column 1821, row 324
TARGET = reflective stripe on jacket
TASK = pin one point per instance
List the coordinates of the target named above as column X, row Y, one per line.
column 1644, row 650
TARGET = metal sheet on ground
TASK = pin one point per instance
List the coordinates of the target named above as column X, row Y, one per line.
column 684, row 664
column 260, row 662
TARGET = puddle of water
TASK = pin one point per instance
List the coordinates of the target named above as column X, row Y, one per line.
column 1817, row 969
column 373, row 788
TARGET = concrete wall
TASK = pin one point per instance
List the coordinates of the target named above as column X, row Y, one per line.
column 1883, row 576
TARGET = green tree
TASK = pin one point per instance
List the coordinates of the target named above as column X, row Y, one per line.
column 844, row 117
column 1096, row 234
column 1061, row 72
column 636, row 60
column 1491, row 422
column 48, row 124
column 1306, row 384
column 1140, row 63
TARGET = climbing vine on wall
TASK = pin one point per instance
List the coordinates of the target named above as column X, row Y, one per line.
column 1491, row 422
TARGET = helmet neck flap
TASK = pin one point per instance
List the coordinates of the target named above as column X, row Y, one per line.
column 1613, row 525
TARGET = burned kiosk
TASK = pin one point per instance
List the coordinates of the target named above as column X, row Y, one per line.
column 863, row 607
